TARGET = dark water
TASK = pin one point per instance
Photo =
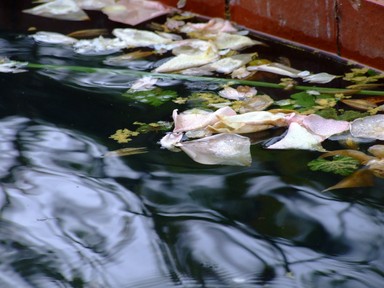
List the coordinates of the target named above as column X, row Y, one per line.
column 72, row 218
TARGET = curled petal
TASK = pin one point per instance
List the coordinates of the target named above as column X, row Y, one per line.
column 170, row 141
column 249, row 122
column 139, row 38
column 197, row 119
column 298, row 137
column 377, row 151
column 221, row 149
column 53, row 38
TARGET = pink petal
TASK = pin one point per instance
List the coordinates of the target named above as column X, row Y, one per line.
column 325, row 127
column 133, row 12
column 197, row 119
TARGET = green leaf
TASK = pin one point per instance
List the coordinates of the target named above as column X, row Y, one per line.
column 154, row 97
column 342, row 165
column 304, row 99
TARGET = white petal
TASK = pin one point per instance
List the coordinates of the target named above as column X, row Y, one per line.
column 170, row 140
column 276, row 68
column 53, row 38
column 59, row 9
column 298, row 137
column 139, row 38
column 369, row 127
column 320, row 78
column 325, row 127
column 234, row 41
column 98, row 46
column 222, row 149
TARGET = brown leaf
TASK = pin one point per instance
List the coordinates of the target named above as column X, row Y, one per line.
column 358, row 155
column 361, row 178
column 88, row 33
column 359, row 104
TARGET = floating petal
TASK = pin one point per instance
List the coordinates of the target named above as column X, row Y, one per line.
column 139, row 38
column 185, row 61
column 213, row 26
column 238, row 93
column 320, row 78
column 369, row 127
column 171, row 140
column 94, row 4
column 249, row 122
column 234, row 41
column 196, row 118
column 229, row 64
column 298, row 137
column 325, row 127
column 133, row 12
column 53, row 38
column 8, row 66
column 59, row 9
column 98, row 46
column 221, row 149
column 276, row 68
column 144, row 84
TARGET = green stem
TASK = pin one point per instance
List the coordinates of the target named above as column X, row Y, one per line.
column 203, row 79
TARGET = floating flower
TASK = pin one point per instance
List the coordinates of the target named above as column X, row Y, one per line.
column 144, row 84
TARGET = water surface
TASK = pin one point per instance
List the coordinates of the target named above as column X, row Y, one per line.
column 72, row 218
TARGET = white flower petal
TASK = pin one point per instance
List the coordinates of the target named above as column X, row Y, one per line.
column 369, row 127
column 53, row 38
column 320, row 78
column 298, row 137
column 220, row 149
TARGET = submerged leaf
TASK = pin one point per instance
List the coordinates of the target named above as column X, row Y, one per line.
column 126, row 152
column 342, row 165
column 154, row 97
column 221, row 149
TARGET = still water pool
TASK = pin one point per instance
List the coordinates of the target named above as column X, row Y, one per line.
column 70, row 217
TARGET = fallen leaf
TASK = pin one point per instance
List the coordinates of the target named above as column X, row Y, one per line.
column 220, row 149
column 126, row 152
column 88, row 33
column 360, row 178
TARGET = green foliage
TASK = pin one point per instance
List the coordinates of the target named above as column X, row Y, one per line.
column 342, row 165
column 154, row 97
column 160, row 126
column 303, row 99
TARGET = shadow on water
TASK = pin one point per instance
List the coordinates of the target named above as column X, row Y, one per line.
column 72, row 218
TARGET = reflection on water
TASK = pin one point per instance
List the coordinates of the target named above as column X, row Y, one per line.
column 72, row 218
